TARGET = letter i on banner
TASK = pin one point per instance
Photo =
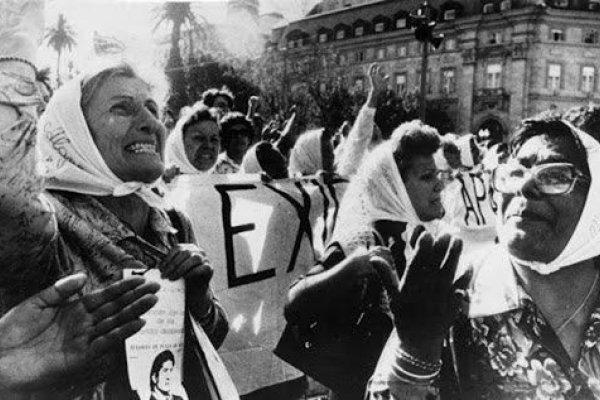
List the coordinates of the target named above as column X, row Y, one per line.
column 155, row 354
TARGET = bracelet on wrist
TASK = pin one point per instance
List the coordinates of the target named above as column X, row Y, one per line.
column 414, row 361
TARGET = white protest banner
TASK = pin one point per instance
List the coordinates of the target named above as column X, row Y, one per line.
column 259, row 238
column 155, row 354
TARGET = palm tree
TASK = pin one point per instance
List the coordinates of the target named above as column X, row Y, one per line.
column 59, row 38
column 179, row 15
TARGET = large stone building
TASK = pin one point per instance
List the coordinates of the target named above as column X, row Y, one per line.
column 501, row 60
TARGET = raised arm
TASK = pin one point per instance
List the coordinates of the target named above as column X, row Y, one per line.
column 357, row 143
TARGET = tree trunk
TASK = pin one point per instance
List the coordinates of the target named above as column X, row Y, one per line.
column 58, row 80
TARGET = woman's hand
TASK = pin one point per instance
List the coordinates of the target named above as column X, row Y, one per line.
column 187, row 261
column 52, row 334
column 426, row 299
column 378, row 84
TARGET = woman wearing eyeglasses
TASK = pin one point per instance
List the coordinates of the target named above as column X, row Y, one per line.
column 528, row 326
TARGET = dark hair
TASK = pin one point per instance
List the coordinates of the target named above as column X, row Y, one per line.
column 230, row 120
column 196, row 115
column 552, row 125
column 160, row 359
column 413, row 139
column 271, row 160
column 586, row 118
column 210, row 95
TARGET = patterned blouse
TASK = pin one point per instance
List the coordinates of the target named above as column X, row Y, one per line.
column 502, row 348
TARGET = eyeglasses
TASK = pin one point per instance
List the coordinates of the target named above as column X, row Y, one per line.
column 551, row 179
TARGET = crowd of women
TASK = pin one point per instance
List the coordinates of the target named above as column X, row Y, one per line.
column 81, row 201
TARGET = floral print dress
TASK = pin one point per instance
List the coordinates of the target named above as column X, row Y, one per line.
column 502, row 347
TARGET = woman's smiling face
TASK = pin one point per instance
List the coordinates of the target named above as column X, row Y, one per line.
column 123, row 119
column 202, row 144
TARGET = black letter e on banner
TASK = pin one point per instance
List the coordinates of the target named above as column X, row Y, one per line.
column 232, row 279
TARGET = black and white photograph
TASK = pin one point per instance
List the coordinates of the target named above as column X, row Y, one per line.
column 299, row 199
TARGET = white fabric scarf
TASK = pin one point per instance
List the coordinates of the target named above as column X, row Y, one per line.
column 376, row 192
column 175, row 151
column 306, row 157
column 68, row 158
column 585, row 241
column 250, row 164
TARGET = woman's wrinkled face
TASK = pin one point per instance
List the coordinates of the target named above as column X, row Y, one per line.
column 424, row 188
column 537, row 226
column 202, row 144
column 123, row 120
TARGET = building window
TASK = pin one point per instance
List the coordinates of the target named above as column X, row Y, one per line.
column 450, row 44
column 488, row 8
column 588, row 76
column 494, row 37
column 400, row 83
column 554, row 76
column 594, row 5
column 359, row 84
column 402, row 51
column 401, row 23
column 505, row 5
column 561, row 3
column 494, row 76
column 343, row 59
column 359, row 56
column 322, row 38
column 590, row 36
column 557, row 35
column 380, row 54
column 449, row 15
column 322, row 87
column 359, row 31
column 391, row 51
column 341, row 34
column 448, row 81
column 380, row 27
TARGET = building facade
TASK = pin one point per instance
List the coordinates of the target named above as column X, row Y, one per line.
column 500, row 61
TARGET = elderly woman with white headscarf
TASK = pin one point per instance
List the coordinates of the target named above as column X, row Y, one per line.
column 194, row 144
column 93, row 209
column 395, row 189
column 528, row 324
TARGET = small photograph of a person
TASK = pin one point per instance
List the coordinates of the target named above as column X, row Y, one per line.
column 161, row 377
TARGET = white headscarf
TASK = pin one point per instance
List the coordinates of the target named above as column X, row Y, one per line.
column 68, row 157
column 585, row 241
column 306, row 157
column 175, row 151
column 250, row 164
column 376, row 192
